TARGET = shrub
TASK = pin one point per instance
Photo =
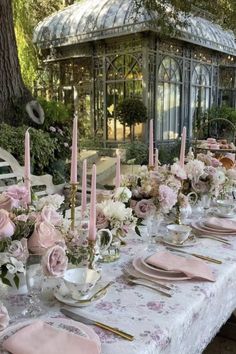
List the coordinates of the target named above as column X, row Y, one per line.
column 138, row 152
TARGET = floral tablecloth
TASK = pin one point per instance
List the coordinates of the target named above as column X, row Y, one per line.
column 183, row 324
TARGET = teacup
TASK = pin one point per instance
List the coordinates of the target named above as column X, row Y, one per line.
column 226, row 207
column 80, row 281
column 178, row 233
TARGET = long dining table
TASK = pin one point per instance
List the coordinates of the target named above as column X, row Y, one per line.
column 182, row 324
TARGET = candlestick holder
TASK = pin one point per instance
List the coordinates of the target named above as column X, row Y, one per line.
column 92, row 254
column 74, row 187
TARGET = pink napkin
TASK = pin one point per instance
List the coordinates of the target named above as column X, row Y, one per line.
column 192, row 267
column 221, row 224
column 41, row 338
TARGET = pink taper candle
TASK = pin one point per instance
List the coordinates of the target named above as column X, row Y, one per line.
column 74, row 154
column 84, row 188
column 151, row 157
column 182, row 149
column 156, row 159
column 92, row 219
column 117, row 181
column 27, row 166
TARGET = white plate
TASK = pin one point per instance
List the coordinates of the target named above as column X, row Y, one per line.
column 137, row 264
column 63, row 295
column 69, row 325
column 224, row 216
column 187, row 243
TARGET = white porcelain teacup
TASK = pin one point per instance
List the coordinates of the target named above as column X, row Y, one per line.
column 178, row 233
column 80, row 281
column 226, row 206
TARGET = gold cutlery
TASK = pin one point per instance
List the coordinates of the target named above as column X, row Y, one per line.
column 143, row 283
column 223, row 240
column 88, row 321
column 132, row 274
column 205, row 258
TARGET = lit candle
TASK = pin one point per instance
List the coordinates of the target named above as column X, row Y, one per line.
column 151, row 158
column 117, row 181
column 74, row 154
column 84, row 188
column 156, row 159
column 182, row 149
column 92, row 219
column 27, row 166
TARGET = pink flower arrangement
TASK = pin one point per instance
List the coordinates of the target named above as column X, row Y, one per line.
column 55, row 261
column 18, row 194
column 101, row 221
column 167, row 198
column 178, row 171
column 50, row 215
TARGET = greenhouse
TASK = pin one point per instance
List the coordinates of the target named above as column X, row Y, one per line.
column 97, row 52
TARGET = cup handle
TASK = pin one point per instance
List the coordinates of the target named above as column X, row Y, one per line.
column 99, row 235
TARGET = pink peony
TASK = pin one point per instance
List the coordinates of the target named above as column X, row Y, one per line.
column 45, row 235
column 50, row 215
column 7, row 228
column 55, row 261
column 167, row 198
column 144, row 208
column 4, row 317
column 101, row 220
column 19, row 194
column 215, row 162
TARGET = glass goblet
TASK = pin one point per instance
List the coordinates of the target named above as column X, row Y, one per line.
column 34, row 281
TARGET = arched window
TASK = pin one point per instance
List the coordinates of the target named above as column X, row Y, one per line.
column 200, row 93
column 123, row 79
column 168, row 99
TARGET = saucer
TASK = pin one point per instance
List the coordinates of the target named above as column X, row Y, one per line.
column 225, row 216
column 188, row 243
column 62, row 294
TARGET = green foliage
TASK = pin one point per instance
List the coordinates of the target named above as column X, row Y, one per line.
column 225, row 112
column 138, row 152
column 168, row 152
column 56, row 113
column 131, row 111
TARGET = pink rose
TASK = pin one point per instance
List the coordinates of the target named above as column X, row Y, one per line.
column 144, row 208
column 7, row 202
column 4, row 317
column 19, row 249
column 101, row 220
column 22, row 217
column 19, row 194
column 55, row 261
column 50, row 215
column 215, row 162
column 45, row 235
column 7, row 228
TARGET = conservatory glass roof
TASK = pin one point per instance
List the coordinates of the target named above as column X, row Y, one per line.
column 97, row 19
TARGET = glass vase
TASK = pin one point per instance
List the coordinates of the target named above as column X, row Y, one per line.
column 112, row 253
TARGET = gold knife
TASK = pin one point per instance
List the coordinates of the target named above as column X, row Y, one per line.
column 88, row 321
column 205, row 258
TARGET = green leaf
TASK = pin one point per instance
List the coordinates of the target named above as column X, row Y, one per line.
column 16, row 280
column 6, row 281
column 137, row 231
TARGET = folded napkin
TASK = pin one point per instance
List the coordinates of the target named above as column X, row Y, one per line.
column 192, row 267
column 41, row 338
column 221, row 224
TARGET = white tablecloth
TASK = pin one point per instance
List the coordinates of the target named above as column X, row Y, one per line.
column 183, row 324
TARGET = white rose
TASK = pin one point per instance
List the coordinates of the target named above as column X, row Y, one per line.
column 122, row 194
column 54, row 201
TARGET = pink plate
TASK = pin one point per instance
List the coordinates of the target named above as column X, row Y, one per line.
column 204, row 229
column 159, row 270
column 69, row 325
column 138, row 265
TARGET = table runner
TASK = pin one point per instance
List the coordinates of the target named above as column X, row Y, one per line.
column 183, row 324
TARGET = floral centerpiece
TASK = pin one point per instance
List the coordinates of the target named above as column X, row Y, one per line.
column 24, row 229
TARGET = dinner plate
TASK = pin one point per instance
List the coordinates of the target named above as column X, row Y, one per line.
column 159, row 270
column 202, row 228
column 63, row 295
column 203, row 225
column 69, row 325
column 138, row 265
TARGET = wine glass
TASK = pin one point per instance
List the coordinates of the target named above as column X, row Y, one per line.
column 34, row 281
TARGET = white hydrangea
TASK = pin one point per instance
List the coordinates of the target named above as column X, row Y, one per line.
column 53, row 200
column 114, row 210
column 194, row 169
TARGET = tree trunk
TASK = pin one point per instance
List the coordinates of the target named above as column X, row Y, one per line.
column 13, row 93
